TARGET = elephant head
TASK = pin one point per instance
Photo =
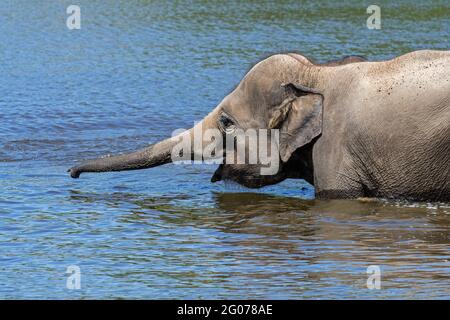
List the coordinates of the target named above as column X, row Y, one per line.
column 283, row 92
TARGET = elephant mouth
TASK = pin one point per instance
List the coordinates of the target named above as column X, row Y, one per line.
column 217, row 176
column 244, row 178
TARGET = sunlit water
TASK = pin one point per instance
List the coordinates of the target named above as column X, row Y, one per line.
column 136, row 71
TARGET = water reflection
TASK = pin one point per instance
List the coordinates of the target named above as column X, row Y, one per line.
column 316, row 242
column 267, row 214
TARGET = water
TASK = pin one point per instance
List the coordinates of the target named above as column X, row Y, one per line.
column 136, row 71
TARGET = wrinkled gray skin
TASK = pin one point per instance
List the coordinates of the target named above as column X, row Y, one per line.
column 351, row 128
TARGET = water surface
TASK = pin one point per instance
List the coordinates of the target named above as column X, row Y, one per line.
column 136, row 71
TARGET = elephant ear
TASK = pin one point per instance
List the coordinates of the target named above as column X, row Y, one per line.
column 299, row 119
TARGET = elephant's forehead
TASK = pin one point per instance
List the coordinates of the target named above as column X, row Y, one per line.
column 268, row 73
column 260, row 89
column 273, row 66
column 244, row 107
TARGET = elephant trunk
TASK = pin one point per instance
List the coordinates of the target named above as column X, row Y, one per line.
column 152, row 156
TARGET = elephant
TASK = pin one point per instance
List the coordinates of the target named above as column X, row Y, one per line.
column 351, row 128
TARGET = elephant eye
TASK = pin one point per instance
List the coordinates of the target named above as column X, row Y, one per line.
column 226, row 124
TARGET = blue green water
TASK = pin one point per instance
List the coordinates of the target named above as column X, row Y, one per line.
column 134, row 72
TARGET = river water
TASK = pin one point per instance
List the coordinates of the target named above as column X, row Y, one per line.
column 133, row 73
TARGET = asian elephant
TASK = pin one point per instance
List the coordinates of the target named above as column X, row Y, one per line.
column 351, row 128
